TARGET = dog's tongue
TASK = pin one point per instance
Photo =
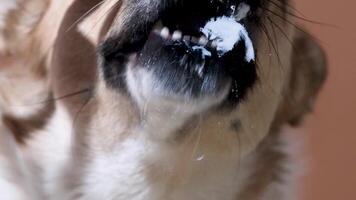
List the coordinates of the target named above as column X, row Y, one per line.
column 226, row 33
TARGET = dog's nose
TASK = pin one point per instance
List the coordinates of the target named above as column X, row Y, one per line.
column 189, row 15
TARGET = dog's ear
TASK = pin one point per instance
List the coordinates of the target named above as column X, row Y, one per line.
column 308, row 73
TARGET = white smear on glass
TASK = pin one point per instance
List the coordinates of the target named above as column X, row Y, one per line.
column 227, row 32
column 243, row 9
column 200, row 158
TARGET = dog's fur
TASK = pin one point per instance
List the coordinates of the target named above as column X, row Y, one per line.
column 95, row 139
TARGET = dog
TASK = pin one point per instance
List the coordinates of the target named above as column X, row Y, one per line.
column 153, row 99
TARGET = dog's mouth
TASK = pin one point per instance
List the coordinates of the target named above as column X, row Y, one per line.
column 199, row 52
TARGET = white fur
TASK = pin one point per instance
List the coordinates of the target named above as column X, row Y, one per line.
column 125, row 174
column 35, row 171
column 118, row 175
column 50, row 150
column 17, row 182
column 5, row 7
column 294, row 166
column 163, row 111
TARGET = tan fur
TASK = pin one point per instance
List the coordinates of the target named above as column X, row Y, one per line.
column 238, row 150
column 19, row 30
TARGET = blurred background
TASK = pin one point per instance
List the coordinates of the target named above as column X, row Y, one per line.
column 330, row 132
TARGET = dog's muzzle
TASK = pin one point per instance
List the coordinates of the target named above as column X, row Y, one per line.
column 197, row 49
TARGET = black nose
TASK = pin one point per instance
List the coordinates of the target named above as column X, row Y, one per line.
column 189, row 15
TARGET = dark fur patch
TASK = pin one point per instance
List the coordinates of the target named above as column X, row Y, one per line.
column 22, row 128
column 236, row 125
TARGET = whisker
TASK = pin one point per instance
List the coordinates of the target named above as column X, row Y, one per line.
column 271, row 42
column 276, row 44
column 292, row 24
column 303, row 18
column 274, row 33
column 198, row 140
column 263, row 31
column 82, row 107
column 282, row 31
column 84, row 15
column 104, row 15
column 279, row 5
column 274, row 47
column 49, row 100
column 269, row 48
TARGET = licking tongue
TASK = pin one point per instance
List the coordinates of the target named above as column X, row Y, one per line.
column 226, row 32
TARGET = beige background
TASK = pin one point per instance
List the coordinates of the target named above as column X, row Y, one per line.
column 331, row 130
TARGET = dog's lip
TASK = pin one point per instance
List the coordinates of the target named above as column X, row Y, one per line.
column 197, row 53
